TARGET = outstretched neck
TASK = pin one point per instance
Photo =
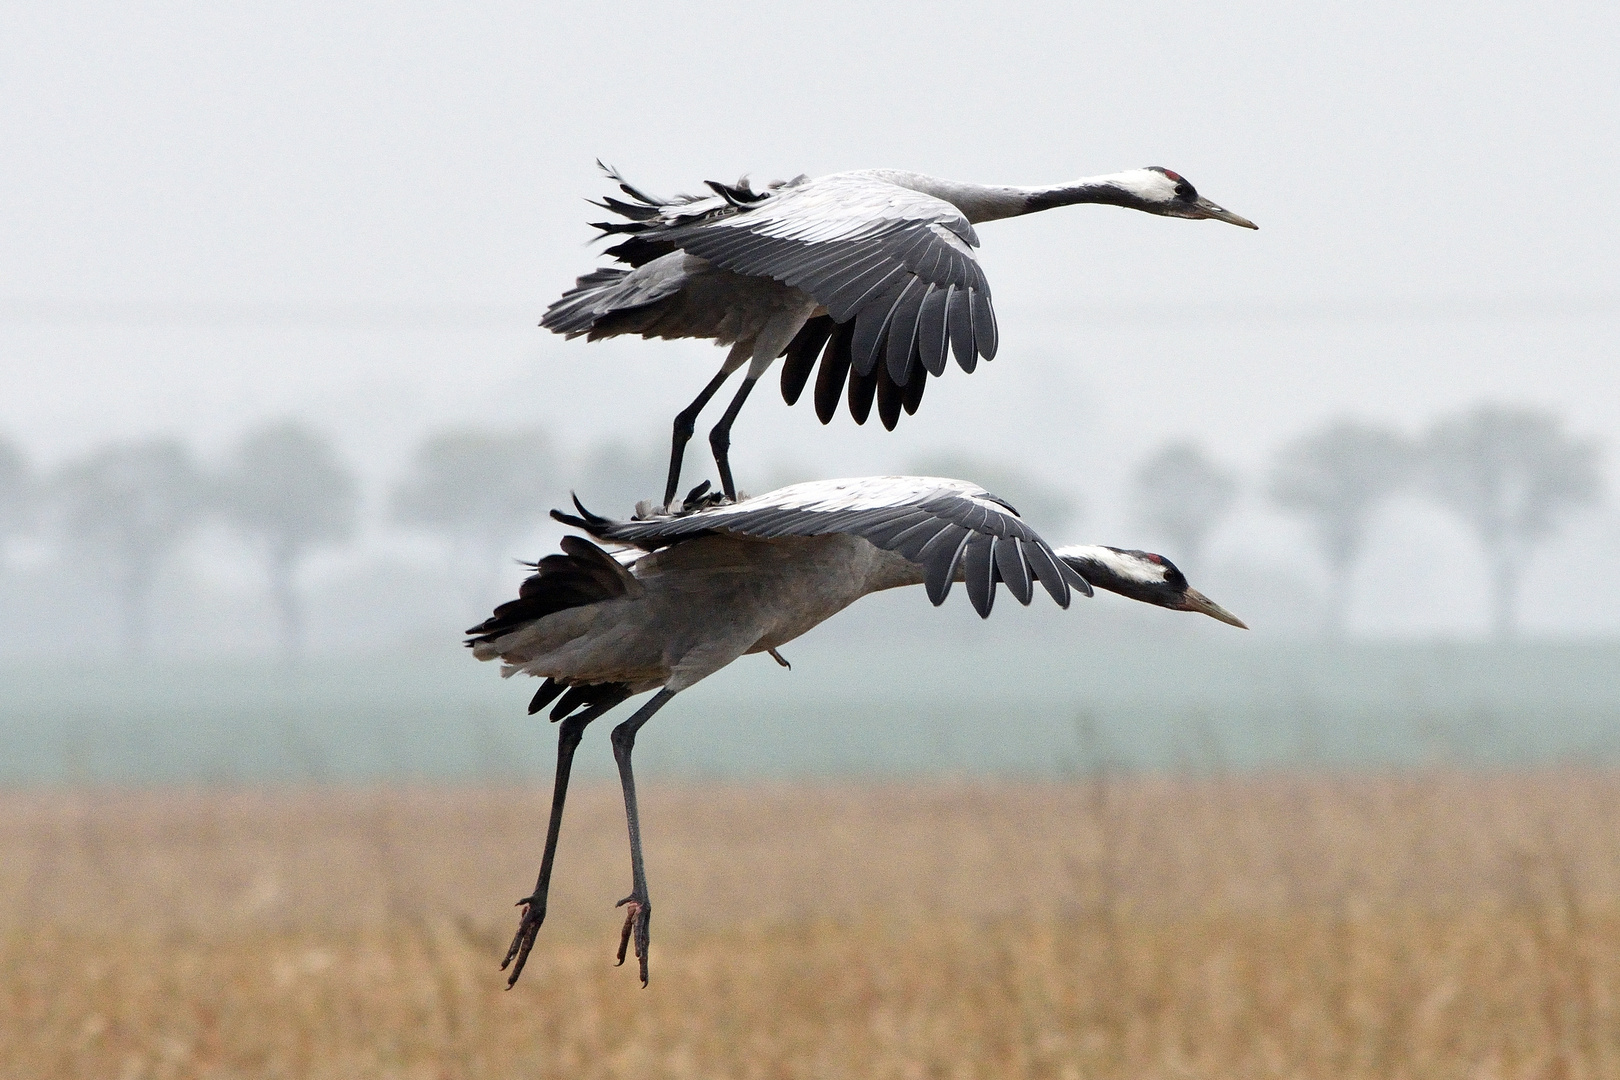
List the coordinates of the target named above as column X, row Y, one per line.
column 1114, row 189
column 992, row 202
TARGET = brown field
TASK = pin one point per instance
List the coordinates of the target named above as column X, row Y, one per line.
column 1431, row 925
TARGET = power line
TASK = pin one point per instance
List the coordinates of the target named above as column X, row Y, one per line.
column 232, row 315
column 374, row 315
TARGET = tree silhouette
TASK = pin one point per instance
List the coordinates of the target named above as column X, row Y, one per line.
column 483, row 492
column 1335, row 480
column 613, row 475
column 287, row 489
column 1512, row 475
column 1182, row 495
column 16, row 492
column 130, row 506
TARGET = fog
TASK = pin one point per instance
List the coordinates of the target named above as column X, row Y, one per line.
column 217, row 219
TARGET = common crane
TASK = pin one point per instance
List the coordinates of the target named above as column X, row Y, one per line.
column 874, row 271
column 745, row 577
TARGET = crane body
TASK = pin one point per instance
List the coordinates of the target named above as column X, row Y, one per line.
column 874, row 272
column 737, row 578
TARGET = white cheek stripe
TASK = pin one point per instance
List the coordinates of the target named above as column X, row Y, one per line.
column 1143, row 183
column 1150, row 573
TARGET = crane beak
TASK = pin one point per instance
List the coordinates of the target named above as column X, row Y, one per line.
column 1193, row 600
column 1207, row 209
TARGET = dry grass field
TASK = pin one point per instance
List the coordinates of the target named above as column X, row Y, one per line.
column 1434, row 925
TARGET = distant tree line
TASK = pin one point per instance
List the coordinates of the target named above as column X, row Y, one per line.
column 1511, row 475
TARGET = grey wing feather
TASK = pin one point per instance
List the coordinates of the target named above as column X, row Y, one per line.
column 852, row 241
column 939, row 524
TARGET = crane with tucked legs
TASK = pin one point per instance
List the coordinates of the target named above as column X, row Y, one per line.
column 691, row 592
column 873, row 271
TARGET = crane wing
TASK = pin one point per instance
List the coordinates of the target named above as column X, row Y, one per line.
column 898, row 263
column 945, row 526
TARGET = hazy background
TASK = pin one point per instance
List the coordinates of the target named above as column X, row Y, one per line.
column 218, row 219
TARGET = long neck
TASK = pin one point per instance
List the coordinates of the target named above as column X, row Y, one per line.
column 992, row 202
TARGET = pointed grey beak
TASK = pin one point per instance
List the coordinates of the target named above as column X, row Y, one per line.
column 1220, row 213
column 1194, row 600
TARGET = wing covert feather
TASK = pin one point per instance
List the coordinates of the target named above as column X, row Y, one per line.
column 939, row 524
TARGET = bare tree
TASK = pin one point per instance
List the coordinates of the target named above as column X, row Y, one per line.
column 129, row 507
column 16, row 492
column 1335, row 480
column 1182, row 495
column 1512, row 475
column 1049, row 507
column 613, row 476
column 483, row 492
column 287, row 488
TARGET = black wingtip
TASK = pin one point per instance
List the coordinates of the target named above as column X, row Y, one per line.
column 543, row 696
column 739, row 195
column 584, row 513
column 569, row 520
column 591, row 523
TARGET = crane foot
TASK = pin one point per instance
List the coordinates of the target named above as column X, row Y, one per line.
column 517, row 954
column 637, row 923
column 779, row 659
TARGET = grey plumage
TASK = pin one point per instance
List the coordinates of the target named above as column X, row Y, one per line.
column 732, row 579
column 889, row 254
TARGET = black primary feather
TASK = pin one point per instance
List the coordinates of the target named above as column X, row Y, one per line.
column 933, row 336
column 914, row 391
column 960, row 321
column 861, row 390
column 801, row 355
column 582, row 574
column 870, row 326
column 835, row 363
column 586, row 520
column 979, row 574
column 543, row 696
column 902, row 345
column 890, row 395
column 1012, row 568
column 740, row 195
column 602, row 696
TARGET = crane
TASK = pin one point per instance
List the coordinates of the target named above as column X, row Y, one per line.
column 874, row 271
column 693, row 591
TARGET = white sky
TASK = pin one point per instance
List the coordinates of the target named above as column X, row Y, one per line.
column 213, row 215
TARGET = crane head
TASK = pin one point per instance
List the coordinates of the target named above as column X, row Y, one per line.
column 1157, row 190
column 1144, row 576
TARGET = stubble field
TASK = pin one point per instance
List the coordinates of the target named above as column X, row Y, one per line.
column 1417, row 925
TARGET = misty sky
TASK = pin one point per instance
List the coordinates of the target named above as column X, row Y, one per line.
column 216, row 215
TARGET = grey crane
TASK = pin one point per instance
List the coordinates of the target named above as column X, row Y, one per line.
column 874, row 271
column 745, row 577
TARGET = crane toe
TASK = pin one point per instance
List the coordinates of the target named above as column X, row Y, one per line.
column 517, row 954
column 637, row 925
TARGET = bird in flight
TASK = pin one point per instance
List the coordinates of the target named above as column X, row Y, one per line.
column 690, row 592
column 873, row 271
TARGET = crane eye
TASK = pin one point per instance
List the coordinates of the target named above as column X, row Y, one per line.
column 1185, row 190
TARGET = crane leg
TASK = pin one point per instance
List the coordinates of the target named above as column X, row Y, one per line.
column 638, row 914
column 534, row 905
column 685, row 424
column 720, row 437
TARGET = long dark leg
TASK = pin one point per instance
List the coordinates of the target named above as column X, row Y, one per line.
column 534, row 905
column 638, row 919
column 685, row 424
column 720, row 437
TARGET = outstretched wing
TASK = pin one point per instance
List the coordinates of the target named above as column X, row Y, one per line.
column 945, row 526
column 897, row 263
